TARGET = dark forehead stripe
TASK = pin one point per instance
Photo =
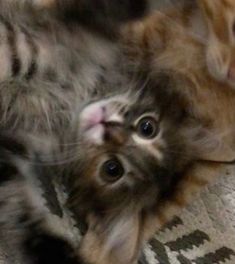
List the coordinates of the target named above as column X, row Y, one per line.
column 152, row 169
column 32, row 70
column 11, row 37
column 165, row 174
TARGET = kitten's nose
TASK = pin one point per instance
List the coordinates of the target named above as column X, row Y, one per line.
column 114, row 133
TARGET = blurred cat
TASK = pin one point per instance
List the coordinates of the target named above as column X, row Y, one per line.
column 133, row 150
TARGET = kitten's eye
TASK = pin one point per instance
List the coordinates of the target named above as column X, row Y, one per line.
column 147, row 128
column 233, row 28
column 112, row 170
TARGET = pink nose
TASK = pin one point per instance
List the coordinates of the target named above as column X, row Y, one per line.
column 231, row 72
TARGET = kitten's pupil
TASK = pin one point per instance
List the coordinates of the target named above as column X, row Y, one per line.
column 147, row 128
column 112, row 170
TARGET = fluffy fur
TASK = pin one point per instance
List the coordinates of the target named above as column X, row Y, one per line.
column 52, row 60
column 175, row 42
column 170, row 41
column 27, row 230
column 220, row 52
column 117, row 208
column 39, row 95
column 179, row 40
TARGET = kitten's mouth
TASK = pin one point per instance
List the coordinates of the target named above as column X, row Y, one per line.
column 96, row 121
column 92, row 123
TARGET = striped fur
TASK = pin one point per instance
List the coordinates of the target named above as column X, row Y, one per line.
column 119, row 213
column 51, row 64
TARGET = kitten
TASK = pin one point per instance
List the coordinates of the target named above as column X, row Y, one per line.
column 133, row 150
column 177, row 40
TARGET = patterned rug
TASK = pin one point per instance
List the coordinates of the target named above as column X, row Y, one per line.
column 205, row 231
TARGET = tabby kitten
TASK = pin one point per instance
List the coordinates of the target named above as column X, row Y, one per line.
column 179, row 40
column 129, row 160
column 132, row 153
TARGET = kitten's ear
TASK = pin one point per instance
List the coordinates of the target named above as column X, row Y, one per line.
column 112, row 239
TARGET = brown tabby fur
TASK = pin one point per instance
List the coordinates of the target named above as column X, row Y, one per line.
column 179, row 40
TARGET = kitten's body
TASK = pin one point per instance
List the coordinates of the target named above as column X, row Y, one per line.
column 53, row 61
column 178, row 41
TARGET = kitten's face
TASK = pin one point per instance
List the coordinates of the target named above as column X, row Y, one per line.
column 220, row 15
column 130, row 147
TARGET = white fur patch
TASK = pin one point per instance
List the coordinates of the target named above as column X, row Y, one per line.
column 148, row 145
